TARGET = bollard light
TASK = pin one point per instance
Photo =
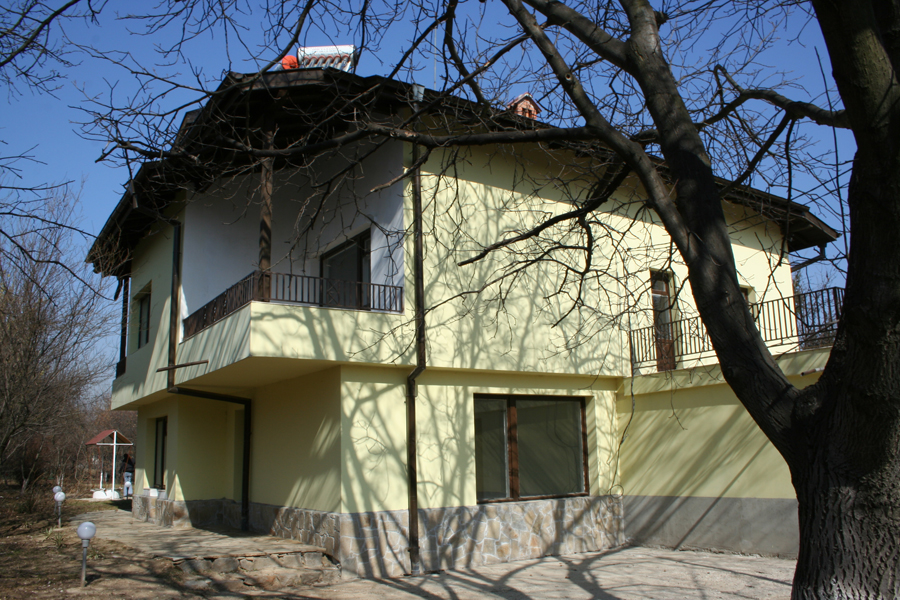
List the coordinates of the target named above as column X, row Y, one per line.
column 85, row 531
column 60, row 497
column 56, row 489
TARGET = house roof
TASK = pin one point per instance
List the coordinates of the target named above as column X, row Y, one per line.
column 209, row 145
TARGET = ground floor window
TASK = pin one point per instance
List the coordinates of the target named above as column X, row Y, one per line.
column 159, row 463
column 529, row 447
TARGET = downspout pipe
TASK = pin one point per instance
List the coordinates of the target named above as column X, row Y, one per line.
column 174, row 309
column 421, row 360
column 175, row 302
column 123, row 333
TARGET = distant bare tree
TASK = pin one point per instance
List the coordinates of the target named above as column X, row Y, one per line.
column 49, row 327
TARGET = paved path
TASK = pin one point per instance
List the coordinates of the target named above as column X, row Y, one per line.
column 625, row 574
column 180, row 544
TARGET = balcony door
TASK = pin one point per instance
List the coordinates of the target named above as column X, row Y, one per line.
column 664, row 331
column 346, row 274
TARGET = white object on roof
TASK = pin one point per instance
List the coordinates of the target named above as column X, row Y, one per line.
column 320, row 57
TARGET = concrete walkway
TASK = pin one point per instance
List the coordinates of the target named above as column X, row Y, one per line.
column 626, row 574
column 623, row 574
column 181, row 544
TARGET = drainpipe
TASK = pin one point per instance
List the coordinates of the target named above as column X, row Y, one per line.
column 123, row 334
column 174, row 303
column 421, row 356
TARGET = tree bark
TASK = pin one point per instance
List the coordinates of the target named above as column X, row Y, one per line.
column 848, row 523
column 848, row 482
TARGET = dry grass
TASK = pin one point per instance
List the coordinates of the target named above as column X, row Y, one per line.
column 39, row 560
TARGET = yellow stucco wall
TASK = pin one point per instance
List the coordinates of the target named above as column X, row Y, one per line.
column 373, row 445
column 204, row 468
column 319, row 333
column 151, row 266
column 296, row 444
column 198, row 451
column 328, row 385
column 373, row 435
column 690, row 436
column 145, row 445
column 514, row 327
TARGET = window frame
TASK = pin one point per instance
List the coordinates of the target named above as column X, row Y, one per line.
column 665, row 319
column 142, row 330
column 159, row 452
column 363, row 243
column 512, row 449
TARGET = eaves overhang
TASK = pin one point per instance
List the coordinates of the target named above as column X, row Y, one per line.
column 201, row 151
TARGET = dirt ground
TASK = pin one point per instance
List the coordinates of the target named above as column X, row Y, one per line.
column 38, row 560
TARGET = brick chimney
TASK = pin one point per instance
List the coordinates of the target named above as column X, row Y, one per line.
column 524, row 105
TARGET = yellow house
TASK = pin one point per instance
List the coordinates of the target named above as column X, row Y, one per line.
column 556, row 396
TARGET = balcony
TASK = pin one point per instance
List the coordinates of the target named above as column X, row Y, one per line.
column 295, row 289
column 804, row 321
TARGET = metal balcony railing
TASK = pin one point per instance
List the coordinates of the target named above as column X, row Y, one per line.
column 806, row 320
column 298, row 289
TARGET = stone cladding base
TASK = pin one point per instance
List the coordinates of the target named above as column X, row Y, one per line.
column 374, row 544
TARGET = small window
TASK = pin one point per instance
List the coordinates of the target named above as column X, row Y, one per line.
column 529, row 447
column 346, row 274
column 140, row 318
column 143, row 332
column 159, row 462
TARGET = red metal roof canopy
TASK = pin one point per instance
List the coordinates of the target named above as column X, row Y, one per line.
column 105, row 434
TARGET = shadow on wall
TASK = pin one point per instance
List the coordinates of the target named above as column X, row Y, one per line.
column 698, row 473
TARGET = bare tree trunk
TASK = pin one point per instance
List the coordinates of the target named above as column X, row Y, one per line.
column 848, row 528
column 848, row 485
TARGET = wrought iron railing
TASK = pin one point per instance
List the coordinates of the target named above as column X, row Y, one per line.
column 299, row 289
column 806, row 320
column 224, row 304
column 336, row 293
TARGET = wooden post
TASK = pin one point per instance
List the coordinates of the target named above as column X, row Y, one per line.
column 266, row 185
column 421, row 360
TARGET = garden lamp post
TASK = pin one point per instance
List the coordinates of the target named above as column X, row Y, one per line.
column 85, row 531
column 59, row 496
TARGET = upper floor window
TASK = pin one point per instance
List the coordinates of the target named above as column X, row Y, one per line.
column 664, row 328
column 347, row 271
column 143, row 314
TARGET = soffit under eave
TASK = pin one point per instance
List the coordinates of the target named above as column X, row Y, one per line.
column 144, row 204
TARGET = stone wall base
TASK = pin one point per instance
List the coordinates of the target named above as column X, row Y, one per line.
column 374, row 544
